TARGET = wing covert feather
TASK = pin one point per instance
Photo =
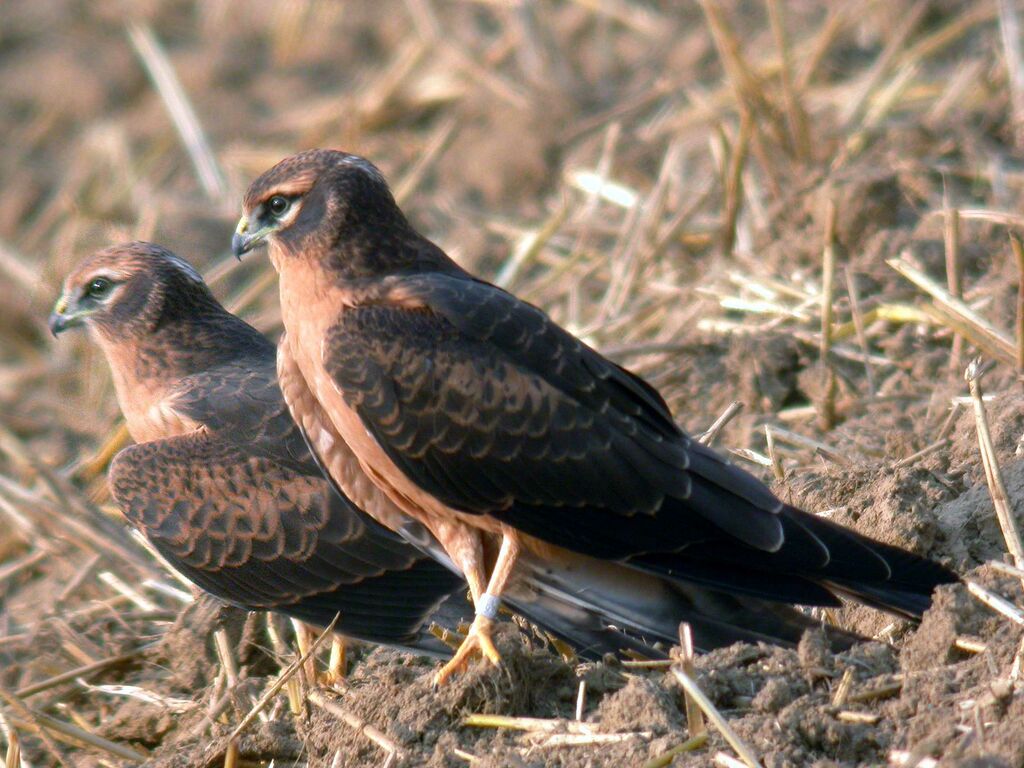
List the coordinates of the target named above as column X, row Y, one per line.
column 240, row 401
column 488, row 405
column 492, row 408
column 257, row 534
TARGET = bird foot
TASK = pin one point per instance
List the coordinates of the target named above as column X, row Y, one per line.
column 478, row 640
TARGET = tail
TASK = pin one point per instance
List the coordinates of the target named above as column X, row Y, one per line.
column 397, row 609
column 818, row 561
column 584, row 628
column 601, row 607
column 727, row 591
column 907, row 591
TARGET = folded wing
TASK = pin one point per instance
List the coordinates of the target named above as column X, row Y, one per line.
column 492, row 408
column 260, row 535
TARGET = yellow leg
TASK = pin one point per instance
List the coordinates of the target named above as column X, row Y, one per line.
column 487, row 603
column 336, row 668
column 304, row 636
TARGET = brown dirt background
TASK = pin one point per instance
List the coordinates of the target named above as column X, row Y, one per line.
column 708, row 280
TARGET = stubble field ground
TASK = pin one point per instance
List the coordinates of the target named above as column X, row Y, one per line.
column 673, row 182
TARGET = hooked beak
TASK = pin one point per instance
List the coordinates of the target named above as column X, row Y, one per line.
column 61, row 319
column 244, row 241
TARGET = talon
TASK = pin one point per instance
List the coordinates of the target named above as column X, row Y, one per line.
column 478, row 639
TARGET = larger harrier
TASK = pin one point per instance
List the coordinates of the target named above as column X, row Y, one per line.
column 507, row 437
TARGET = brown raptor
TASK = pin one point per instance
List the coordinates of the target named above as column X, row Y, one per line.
column 510, row 439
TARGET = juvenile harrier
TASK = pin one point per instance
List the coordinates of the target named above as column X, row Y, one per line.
column 507, row 437
column 221, row 482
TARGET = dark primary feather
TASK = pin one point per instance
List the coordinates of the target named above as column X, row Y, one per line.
column 489, row 406
column 599, row 606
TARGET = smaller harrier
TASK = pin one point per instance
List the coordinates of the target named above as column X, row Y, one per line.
column 221, row 482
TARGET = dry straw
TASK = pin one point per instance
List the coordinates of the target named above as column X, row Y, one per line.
column 638, row 239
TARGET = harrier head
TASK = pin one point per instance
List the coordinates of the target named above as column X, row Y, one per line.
column 124, row 291
column 310, row 201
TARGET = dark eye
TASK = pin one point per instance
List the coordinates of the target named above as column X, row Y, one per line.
column 98, row 288
column 277, row 205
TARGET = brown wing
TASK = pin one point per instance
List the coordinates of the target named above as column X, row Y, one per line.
column 257, row 534
column 240, row 401
column 495, row 410
column 489, row 406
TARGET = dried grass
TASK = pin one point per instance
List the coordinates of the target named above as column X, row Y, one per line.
column 653, row 177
